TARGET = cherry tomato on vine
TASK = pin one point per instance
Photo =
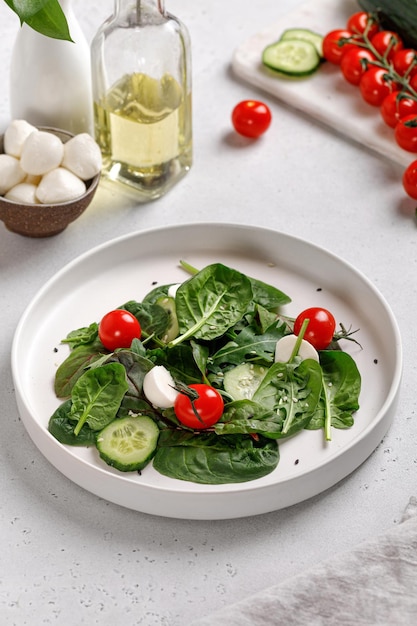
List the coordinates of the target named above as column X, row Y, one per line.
column 320, row 328
column 354, row 63
column 406, row 133
column 410, row 180
column 405, row 61
column 413, row 81
column 396, row 106
column 360, row 22
column 118, row 329
column 375, row 85
column 336, row 43
column 251, row 118
column 386, row 42
column 208, row 407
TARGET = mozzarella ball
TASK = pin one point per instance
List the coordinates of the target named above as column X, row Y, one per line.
column 41, row 153
column 159, row 387
column 59, row 185
column 15, row 136
column 285, row 346
column 11, row 173
column 25, row 193
column 172, row 290
column 82, row 156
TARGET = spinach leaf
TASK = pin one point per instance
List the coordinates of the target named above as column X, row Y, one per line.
column 154, row 320
column 248, row 345
column 137, row 347
column 82, row 336
column 136, row 406
column 340, row 392
column 209, row 459
column 62, row 428
column 201, row 355
column 180, row 361
column 268, row 296
column 136, row 367
column 97, row 395
column 293, row 391
column 247, row 416
column 158, row 292
column 75, row 365
column 265, row 318
column 211, row 302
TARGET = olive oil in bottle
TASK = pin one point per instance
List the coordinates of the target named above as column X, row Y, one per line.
column 142, row 97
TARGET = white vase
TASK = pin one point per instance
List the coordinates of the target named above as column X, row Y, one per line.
column 50, row 79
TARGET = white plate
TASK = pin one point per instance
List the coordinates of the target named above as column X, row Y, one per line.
column 325, row 96
column 127, row 268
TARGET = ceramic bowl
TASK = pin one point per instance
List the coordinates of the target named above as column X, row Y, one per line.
column 45, row 220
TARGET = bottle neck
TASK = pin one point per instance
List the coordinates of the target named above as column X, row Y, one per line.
column 142, row 8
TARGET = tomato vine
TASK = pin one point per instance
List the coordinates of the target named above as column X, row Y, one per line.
column 376, row 61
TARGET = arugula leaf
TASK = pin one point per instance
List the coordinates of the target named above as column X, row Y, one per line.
column 293, row 391
column 340, row 392
column 250, row 345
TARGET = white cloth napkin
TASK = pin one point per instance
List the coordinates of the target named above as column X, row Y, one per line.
column 375, row 584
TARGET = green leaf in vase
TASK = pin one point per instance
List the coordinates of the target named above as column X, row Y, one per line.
column 44, row 16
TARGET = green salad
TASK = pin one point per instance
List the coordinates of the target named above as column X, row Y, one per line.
column 203, row 379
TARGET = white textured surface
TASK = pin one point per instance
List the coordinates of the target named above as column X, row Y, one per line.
column 71, row 558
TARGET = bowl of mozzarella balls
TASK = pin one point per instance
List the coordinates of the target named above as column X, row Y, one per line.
column 48, row 177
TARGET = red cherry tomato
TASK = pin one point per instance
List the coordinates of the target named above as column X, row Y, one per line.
column 251, row 118
column 387, row 43
column 413, row 81
column 336, row 43
column 410, row 180
column 406, row 133
column 320, row 328
column 375, row 85
column 118, row 329
column 396, row 106
column 362, row 22
column 405, row 61
column 208, row 407
column 354, row 63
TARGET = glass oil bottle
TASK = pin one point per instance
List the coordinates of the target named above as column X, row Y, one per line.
column 141, row 81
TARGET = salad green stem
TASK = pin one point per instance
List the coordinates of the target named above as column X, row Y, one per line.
column 299, row 340
column 189, row 268
column 327, row 419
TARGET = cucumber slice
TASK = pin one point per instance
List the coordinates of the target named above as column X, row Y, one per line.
column 305, row 35
column 242, row 381
column 168, row 303
column 128, row 443
column 292, row 57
